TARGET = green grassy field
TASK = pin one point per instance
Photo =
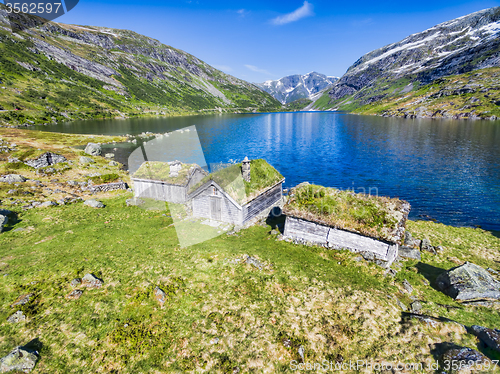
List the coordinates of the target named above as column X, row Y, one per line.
column 221, row 313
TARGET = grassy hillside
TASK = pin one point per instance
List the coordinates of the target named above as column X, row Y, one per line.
column 471, row 95
column 57, row 72
column 222, row 314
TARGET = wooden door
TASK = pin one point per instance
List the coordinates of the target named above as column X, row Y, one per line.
column 215, row 208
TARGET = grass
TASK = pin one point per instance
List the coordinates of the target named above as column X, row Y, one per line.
column 220, row 312
column 374, row 216
column 262, row 176
column 157, row 170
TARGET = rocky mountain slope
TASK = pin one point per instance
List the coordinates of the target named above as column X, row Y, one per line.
column 55, row 72
column 295, row 87
column 458, row 46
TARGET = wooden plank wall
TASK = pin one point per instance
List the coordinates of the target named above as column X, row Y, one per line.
column 262, row 202
column 229, row 212
column 301, row 229
column 160, row 191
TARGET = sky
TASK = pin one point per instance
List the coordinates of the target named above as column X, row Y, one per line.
column 259, row 40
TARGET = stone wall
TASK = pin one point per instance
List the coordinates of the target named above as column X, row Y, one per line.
column 108, row 187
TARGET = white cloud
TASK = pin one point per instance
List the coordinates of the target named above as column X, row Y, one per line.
column 242, row 12
column 223, row 68
column 257, row 70
column 306, row 10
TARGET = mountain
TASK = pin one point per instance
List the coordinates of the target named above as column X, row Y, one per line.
column 54, row 72
column 294, row 87
column 456, row 47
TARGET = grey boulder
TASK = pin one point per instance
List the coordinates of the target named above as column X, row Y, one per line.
column 3, row 221
column 17, row 317
column 47, row 204
column 86, row 160
column 20, row 359
column 91, row 281
column 93, row 149
column 94, row 203
column 490, row 337
column 468, row 282
column 463, row 358
column 425, row 245
column 47, row 159
column 409, row 252
column 12, row 178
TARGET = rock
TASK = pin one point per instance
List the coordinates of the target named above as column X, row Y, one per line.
column 3, row 221
column 113, row 163
column 160, row 296
column 425, row 245
column 12, row 178
column 91, row 281
column 20, row 359
column 490, row 337
column 109, row 155
column 407, row 286
column 401, row 305
column 409, row 252
column 490, row 270
column 47, row 159
column 409, row 242
column 416, row 307
column 274, row 232
column 468, row 282
column 72, row 183
column 86, row 160
column 17, row 317
column 93, row 149
column 47, row 204
column 301, row 352
column 254, row 262
column 94, row 203
column 76, row 282
column 23, row 299
column 214, row 341
column 74, row 295
column 462, row 359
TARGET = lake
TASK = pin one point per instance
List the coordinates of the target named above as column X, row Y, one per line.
column 448, row 170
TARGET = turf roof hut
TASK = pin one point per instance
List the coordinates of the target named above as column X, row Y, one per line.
column 166, row 181
column 371, row 225
column 237, row 194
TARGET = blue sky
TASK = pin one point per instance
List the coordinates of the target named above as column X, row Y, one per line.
column 260, row 40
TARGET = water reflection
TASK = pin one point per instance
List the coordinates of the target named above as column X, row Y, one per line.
column 448, row 170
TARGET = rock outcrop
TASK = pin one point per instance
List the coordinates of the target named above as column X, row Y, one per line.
column 20, row 359
column 47, row 159
column 469, row 282
column 461, row 45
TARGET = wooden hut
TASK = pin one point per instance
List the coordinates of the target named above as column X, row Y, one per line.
column 370, row 225
column 166, row 181
column 239, row 193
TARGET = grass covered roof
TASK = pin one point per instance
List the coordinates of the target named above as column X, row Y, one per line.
column 262, row 177
column 375, row 216
column 160, row 171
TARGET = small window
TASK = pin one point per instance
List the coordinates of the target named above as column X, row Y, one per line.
column 214, row 191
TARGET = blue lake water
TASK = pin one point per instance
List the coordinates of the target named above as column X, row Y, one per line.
column 448, row 170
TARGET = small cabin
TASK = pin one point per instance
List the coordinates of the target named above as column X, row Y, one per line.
column 370, row 225
column 166, row 181
column 239, row 193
